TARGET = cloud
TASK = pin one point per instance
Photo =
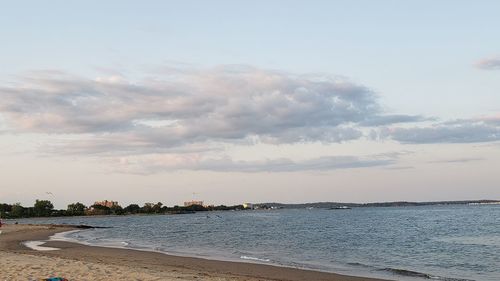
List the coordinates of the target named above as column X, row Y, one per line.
column 381, row 120
column 489, row 64
column 161, row 163
column 458, row 131
column 191, row 114
column 180, row 106
column 457, row 160
column 400, row 168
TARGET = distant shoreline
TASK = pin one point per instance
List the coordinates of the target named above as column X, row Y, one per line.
column 328, row 205
column 176, row 210
column 151, row 262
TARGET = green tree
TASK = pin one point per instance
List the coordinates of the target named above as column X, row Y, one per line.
column 147, row 208
column 132, row 209
column 76, row 209
column 117, row 210
column 99, row 210
column 157, row 207
column 17, row 211
column 5, row 210
column 43, row 208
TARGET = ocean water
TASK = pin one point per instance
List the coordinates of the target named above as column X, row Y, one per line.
column 458, row 242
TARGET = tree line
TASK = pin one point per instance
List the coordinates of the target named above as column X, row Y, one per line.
column 45, row 208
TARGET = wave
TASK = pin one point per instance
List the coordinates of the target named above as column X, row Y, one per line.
column 360, row 265
column 407, row 273
column 254, row 259
column 410, row 273
column 96, row 241
column 99, row 242
column 64, row 236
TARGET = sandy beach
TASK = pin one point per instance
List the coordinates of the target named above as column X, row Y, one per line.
column 79, row 262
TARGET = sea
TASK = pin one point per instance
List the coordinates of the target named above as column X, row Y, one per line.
column 451, row 242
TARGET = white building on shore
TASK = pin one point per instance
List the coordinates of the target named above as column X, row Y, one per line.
column 248, row 206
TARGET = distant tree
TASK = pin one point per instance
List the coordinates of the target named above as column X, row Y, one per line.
column 29, row 212
column 76, row 209
column 59, row 213
column 43, row 208
column 147, row 208
column 132, row 209
column 117, row 210
column 157, row 207
column 99, row 210
column 220, row 208
column 17, row 211
column 195, row 208
column 5, row 210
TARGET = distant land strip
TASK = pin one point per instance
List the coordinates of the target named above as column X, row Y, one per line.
column 45, row 208
column 329, row 205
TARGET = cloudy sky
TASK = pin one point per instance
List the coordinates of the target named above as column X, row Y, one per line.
column 296, row 101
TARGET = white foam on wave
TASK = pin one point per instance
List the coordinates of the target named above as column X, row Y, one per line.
column 254, row 259
column 111, row 244
column 37, row 246
column 63, row 236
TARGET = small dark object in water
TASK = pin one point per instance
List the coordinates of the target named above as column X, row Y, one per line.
column 84, row 226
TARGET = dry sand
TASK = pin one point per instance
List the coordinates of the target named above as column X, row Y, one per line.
column 80, row 262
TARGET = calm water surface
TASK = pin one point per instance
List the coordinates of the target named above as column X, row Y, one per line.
column 403, row 243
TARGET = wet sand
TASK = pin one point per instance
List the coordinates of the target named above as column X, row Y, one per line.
column 80, row 262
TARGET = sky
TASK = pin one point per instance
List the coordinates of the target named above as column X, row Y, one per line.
column 258, row 101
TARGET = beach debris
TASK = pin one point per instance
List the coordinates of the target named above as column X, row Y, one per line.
column 54, row 279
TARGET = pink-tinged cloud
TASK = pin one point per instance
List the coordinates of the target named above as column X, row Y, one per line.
column 224, row 104
column 489, row 64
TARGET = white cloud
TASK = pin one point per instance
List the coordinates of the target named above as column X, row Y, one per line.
column 458, row 131
column 192, row 112
column 457, row 160
column 169, row 162
column 183, row 106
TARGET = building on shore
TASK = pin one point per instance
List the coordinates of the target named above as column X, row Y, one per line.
column 193, row 202
column 248, row 206
column 106, row 203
